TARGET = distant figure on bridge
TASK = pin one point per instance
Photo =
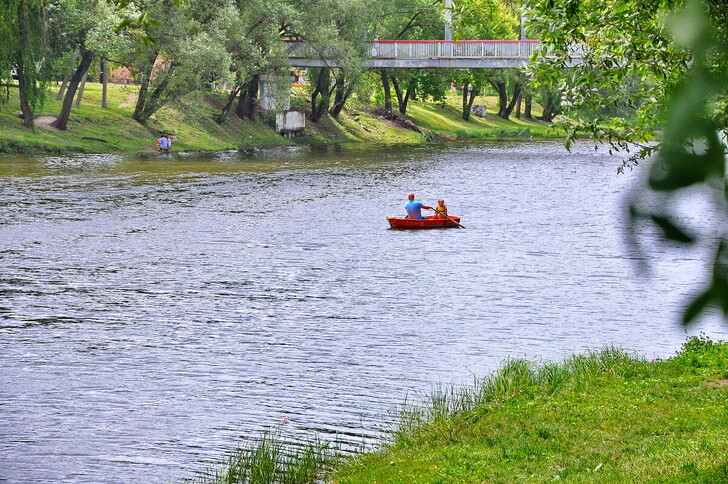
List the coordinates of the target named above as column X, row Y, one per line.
column 375, row 46
column 413, row 207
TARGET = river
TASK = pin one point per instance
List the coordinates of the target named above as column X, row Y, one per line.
column 155, row 312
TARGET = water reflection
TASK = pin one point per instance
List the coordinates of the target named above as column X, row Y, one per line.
column 155, row 311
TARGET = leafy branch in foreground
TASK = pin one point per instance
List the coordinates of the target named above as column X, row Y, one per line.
column 653, row 82
column 614, row 64
column 692, row 155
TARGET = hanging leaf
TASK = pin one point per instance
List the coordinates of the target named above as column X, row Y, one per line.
column 671, row 231
column 697, row 306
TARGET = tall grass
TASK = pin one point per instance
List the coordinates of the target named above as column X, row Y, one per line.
column 514, row 377
column 271, row 459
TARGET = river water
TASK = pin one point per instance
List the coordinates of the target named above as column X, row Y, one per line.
column 155, row 312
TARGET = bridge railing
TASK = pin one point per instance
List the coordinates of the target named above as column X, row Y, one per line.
column 422, row 49
column 430, row 49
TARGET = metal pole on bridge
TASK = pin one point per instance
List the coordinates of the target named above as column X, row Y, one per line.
column 522, row 34
column 449, row 7
column 522, row 28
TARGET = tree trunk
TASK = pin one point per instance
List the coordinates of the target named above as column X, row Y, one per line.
column 387, row 91
column 342, row 93
column 146, row 75
column 468, row 98
column 104, row 81
column 248, row 98
column 79, row 95
column 223, row 114
column 466, row 113
column 549, row 110
column 24, row 89
column 25, row 109
column 398, row 92
column 62, row 121
column 74, row 59
column 527, row 101
column 500, row 88
column 321, row 107
column 514, row 99
column 27, row 51
column 407, row 96
column 518, row 107
column 402, row 97
column 157, row 98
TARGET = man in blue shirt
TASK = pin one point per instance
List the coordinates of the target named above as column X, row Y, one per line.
column 164, row 144
column 413, row 207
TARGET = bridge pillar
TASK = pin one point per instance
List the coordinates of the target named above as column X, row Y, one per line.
column 275, row 93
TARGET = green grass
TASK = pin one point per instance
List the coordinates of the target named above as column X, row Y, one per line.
column 92, row 129
column 446, row 121
column 272, row 460
column 189, row 120
column 602, row 417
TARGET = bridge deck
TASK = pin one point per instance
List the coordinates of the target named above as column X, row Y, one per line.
column 425, row 53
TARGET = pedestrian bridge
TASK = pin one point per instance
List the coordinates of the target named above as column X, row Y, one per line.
column 492, row 54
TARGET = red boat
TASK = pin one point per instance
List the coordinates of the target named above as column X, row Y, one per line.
column 431, row 222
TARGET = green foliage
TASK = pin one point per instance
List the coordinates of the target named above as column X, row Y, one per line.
column 620, row 41
column 22, row 50
column 705, row 356
column 485, row 19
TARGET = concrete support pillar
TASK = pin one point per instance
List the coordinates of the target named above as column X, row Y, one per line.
column 274, row 94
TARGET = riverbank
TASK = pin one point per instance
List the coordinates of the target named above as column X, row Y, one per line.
column 93, row 129
column 605, row 416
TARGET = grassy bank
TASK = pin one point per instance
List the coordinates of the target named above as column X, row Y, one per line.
column 93, row 129
column 600, row 417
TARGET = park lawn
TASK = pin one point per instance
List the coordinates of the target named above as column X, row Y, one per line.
column 93, row 129
column 189, row 121
column 605, row 417
column 446, row 120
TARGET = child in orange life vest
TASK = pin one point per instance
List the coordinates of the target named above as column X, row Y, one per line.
column 441, row 209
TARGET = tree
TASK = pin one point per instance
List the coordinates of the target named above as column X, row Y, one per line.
column 485, row 19
column 490, row 19
column 186, row 54
column 325, row 26
column 253, row 32
column 91, row 27
column 71, row 20
column 22, row 50
column 321, row 93
column 619, row 41
column 403, row 20
column 692, row 153
column 505, row 81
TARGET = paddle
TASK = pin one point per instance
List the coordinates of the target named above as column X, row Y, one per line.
column 450, row 218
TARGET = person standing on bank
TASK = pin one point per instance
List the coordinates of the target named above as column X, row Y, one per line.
column 414, row 207
column 164, row 144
